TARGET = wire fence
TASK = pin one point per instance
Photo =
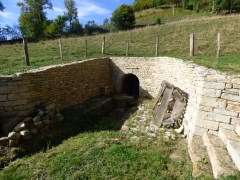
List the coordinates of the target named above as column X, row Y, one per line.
column 48, row 52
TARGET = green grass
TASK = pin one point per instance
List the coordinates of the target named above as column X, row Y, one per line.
column 103, row 155
column 174, row 42
column 149, row 16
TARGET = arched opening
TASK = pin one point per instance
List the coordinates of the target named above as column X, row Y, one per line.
column 130, row 85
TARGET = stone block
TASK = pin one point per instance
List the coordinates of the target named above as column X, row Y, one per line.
column 207, row 124
column 21, row 126
column 236, row 86
column 211, row 102
column 228, row 86
column 211, row 85
column 227, row 126
column 211, row 116
column 14, row 136
column 196, row 129
column 236, row 81
column 232, row 107
column 235, row 121
column 230, row 97
column 209, row 92
column 226, row 112
column 219, row 157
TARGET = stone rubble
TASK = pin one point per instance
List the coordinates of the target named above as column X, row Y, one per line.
column 30, row 126
column 141, row 124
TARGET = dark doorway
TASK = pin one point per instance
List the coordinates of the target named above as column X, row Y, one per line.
column 130, row 85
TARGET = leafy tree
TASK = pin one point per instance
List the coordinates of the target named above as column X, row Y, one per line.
column 106, row 24
column 142, row 4
column 57, row 27
column 71, row 11
column 33, row 19
column 76, row 28
column 123, row 17
column 1, row 6
column 10, row 33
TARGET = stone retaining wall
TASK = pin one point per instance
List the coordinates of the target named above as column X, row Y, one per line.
column 214, row 97
column 66, row 85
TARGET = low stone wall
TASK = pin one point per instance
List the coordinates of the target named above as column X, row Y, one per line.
column 213, row 97
column 65, row 85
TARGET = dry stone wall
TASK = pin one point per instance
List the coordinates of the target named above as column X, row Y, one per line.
column 65, row 85
column 213, row 97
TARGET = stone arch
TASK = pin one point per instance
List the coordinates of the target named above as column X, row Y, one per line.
column 130, row 85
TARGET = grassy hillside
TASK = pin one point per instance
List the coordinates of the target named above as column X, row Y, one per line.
column 174, row 42
column 167, row 14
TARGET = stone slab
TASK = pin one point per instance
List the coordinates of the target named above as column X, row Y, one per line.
column 222, row 164
column 199, row 157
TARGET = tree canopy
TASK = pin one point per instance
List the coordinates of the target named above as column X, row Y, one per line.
column 214, row 6
column 33, row 19
column 71, row 13
column 123, row 17
column 1, row 6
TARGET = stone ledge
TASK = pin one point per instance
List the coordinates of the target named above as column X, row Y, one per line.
column 222, row 164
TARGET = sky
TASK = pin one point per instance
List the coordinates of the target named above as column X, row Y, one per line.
column 96, row 10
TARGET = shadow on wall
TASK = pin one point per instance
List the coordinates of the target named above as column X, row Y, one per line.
column 128, row 82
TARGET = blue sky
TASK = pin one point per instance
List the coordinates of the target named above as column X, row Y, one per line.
column 96, row 10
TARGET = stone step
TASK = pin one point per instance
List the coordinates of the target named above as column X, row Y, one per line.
column 222, row 164
column 232, row 141
column 199, row 157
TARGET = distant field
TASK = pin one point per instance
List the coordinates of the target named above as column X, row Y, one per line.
column 149, row 16
column 173, row 37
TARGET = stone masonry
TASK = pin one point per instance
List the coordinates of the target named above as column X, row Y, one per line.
column 66, row 85
column 213, row 97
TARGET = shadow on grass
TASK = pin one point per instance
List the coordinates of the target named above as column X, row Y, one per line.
column 76, row 122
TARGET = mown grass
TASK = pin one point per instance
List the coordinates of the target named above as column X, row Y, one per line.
column 174, row 42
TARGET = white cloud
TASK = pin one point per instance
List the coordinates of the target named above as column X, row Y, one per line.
column 86, row 8
column 8, row 15
column 58, row 10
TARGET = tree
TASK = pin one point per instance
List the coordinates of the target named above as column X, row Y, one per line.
column 76, row 28
column 71, row 11
column 33, row 19
column 57, row 27
column 123, row 17
column 1, row 6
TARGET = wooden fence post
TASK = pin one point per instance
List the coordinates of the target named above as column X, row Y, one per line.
column 86, row 48
column 60, row 48
column 191, row 44
column 25, row 47
column 157, row 47
column 218, row 44
column 103, row 45
column 127, row 49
